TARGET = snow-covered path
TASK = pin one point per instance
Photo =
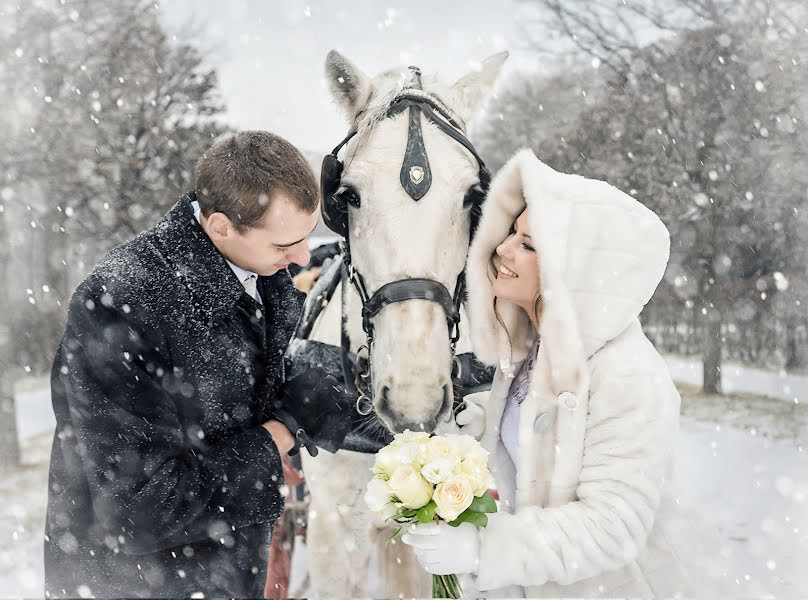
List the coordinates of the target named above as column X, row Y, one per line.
column 753, row 487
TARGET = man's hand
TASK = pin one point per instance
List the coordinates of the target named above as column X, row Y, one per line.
column 292, row 477
column 316, row 403
column 280, row 435
column 305, row 280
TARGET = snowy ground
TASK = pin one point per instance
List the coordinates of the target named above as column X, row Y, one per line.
column 747, row 457
column 22, row 521
column 791, row 387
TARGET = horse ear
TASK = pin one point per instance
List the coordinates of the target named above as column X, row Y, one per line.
column 349, row 86
column 469, row 90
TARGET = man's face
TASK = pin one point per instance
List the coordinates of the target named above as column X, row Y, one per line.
column 279, row 239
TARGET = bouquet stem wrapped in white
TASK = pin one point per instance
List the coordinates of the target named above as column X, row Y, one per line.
column 423, row 479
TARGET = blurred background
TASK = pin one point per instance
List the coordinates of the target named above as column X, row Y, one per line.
column 696, row 107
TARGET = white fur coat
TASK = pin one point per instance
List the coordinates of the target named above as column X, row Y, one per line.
column 589, row 512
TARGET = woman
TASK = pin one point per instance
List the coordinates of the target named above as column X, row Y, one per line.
column 582, row 416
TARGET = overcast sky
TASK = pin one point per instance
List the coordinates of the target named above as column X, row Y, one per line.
column 269, row 55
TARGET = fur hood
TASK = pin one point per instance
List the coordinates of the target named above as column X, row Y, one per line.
column 601, row 255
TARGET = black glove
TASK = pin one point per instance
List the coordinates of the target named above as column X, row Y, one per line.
column 316, row 409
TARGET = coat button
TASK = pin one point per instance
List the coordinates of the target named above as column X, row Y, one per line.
column 568, row 400
column 542, row 423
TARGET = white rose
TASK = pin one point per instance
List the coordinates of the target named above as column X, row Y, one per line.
column 443, row 448
column 411, row 454
column 452, row 497
column 387, row 459
column 410, row 446
column 409, row 487
column 378, row 496
column 439, row 470
column 476, row 470
column 410, row 437
column 468, row 447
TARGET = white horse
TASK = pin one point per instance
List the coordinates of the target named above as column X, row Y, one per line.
column 392, row 237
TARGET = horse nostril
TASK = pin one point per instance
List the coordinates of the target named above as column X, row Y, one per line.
column 384, row 401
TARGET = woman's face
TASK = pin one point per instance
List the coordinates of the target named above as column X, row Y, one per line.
column 518, row 275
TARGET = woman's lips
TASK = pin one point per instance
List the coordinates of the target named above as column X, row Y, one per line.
column 503, row 270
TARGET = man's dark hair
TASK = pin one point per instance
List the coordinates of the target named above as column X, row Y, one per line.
column 239, row 175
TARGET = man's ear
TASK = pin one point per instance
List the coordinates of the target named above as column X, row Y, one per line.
column 219, row 227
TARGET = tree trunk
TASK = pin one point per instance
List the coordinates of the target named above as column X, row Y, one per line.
column 711, row 314
column 710, row 307
column 793, row 354
column 709, row 295
column 9, row 449
column 711, row 357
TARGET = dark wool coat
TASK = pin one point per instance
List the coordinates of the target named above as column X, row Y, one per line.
column 163, row 482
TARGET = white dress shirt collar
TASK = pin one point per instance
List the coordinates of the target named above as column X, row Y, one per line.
column 243, row 275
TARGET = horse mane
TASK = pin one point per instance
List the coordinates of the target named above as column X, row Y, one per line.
column 386, row 87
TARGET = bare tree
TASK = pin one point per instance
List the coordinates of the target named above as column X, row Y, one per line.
column 686, row 123
column 108, row 117
column 536, row 112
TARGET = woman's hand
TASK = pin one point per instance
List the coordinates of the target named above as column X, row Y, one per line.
column 469, row 421
column 445, row 550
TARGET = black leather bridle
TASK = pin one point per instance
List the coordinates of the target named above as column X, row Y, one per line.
column 416, row 179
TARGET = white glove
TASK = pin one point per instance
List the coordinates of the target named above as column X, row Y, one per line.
column 469, row 421
column 445, row 550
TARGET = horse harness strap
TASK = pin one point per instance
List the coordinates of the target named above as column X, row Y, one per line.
column 410, row 289
column 416, row 179
column 406, row 289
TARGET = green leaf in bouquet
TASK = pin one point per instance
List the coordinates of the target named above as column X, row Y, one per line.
column 469, row 516
column 484, row 504
column 426, row 514
column 397, row 533
column 403, row 516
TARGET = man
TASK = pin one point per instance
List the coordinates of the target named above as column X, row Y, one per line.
column 166, row 463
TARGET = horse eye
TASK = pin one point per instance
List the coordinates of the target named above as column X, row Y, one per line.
column 349, row 195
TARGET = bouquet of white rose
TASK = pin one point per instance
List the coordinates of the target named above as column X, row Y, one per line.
column 418, row 478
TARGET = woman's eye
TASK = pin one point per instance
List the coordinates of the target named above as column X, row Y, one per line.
column 528, row 247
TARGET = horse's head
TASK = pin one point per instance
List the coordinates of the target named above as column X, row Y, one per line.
column 408, row 183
